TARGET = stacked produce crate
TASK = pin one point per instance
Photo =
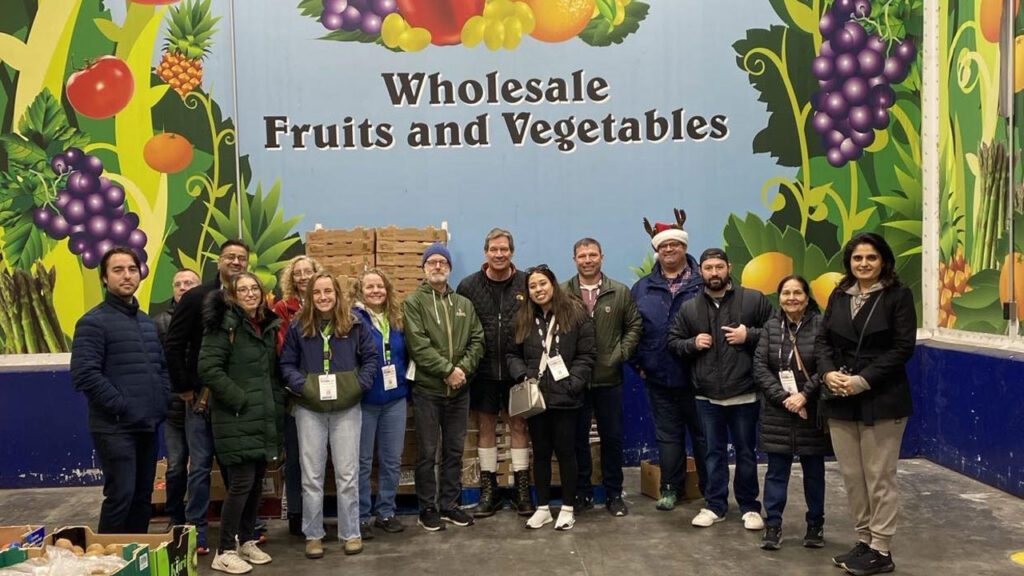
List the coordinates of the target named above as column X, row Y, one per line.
column 344, row 253
column 400, row 253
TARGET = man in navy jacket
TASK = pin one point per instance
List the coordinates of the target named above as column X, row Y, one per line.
column 118, row 362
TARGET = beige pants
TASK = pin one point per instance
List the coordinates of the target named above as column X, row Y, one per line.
column 867, row 458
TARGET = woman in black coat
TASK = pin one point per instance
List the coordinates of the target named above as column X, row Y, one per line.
column 553, row 326
column 789, row 381
column 867, row 336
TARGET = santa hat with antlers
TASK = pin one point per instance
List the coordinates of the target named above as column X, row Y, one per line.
column 662, row 232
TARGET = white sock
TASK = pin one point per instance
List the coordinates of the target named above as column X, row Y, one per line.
column 520, row 459
column 565, row 517
column 488, row 459
column 566, row 509
column 541, row 517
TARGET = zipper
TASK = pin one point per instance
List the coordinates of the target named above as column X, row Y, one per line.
column 451, row 343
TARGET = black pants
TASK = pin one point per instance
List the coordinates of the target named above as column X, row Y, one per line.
column 441, row 420
column 238, row 515
column 292, row 468
column 554, row 431
column 675, row 414
column 128, row 460
column 606, row 404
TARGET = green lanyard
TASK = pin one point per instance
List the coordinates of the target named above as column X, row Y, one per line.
column 327, row 348
column 382, row 324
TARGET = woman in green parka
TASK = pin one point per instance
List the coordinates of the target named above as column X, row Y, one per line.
column 238, row 362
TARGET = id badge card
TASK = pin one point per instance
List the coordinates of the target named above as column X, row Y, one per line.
column 328, row 387
column 410, row 371
column 788, row 381
column 557, row 367
column 390, row 377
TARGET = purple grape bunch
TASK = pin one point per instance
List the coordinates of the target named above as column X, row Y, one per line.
column 90, row 211
column 352, row 15
column 855, row 73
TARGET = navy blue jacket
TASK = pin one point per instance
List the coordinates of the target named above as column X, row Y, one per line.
column 118, row 362
column 376, row 395
column 352, row 355
column 658, row 307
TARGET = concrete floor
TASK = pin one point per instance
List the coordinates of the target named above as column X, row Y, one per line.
column 949, row 525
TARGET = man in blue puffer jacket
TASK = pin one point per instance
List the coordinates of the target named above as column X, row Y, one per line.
column 659, row 295
column 118, row 362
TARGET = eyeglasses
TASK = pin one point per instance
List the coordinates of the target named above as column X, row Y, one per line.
column 439, row 263
column 234, row 257
column 246, row 290
column 303, row 274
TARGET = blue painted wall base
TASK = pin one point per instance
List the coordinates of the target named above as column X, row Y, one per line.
column 968, row 416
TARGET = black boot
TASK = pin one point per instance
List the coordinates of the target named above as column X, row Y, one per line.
column 488, row 495
column 524, row 503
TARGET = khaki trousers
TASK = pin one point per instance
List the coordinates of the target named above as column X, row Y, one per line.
column 867, row 457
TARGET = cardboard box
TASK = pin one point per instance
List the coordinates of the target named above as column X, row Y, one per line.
column 170, row 554
column 160, row 483
column 25, row 537
column 650, row 480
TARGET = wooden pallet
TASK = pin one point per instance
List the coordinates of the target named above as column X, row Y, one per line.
column 396, row 234
column 346, row 265
column 406, row 260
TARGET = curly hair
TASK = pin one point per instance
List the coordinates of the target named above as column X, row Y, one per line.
column 287, row 281
column 341, row 317
column 392, row 308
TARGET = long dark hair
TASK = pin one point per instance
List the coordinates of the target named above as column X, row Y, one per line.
column 812, row 304
column 888, row 276
column 567, row 309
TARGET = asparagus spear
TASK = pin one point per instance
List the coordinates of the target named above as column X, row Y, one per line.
column 46, row 282
column 37, row 295
column 24, row 295
column 5, row 323
column 10, row 296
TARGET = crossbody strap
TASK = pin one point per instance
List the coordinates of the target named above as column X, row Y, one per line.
column 860, row 339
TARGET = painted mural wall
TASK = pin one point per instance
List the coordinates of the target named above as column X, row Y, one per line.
column 781, row 127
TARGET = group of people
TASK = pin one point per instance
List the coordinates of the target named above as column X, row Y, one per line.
column 326, row 368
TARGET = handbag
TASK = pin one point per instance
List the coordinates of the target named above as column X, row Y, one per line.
column 525, row 399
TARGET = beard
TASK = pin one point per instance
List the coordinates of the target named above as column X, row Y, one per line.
column 716, row 283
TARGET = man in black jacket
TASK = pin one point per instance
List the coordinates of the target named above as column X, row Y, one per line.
column 717, row 333
column 496, row 292
column 117, row 361
column 174, row 428
column 181, row 344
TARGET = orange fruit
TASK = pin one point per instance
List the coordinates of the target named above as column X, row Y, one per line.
column 989, row 16
column 1017, row 269
column 560, row 20
column 168, row 153
column 823, row 285
column 764, row 272
column 1018, row 64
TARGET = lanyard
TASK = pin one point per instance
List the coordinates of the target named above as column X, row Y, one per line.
column 382, row 324
column 792, row 338
column 326, row 333
column 547, row 342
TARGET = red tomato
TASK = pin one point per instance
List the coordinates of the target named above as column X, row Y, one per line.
column 102, row 89
column 444, row 18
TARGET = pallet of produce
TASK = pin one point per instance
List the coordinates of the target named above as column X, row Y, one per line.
column 170, row 554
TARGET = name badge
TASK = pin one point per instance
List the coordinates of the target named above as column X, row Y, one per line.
column 557, row 367
column 390, row 377
column 410, row 371
column 328, row 387
column 788, row 381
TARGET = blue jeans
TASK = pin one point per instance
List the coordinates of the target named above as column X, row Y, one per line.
column 385, row 426
column 128, row 460
column 199, row 435
column 177, row 471
column 776, row 487
column 740, row 423
column 341, row 430
column 605, row 403
column 675, row 414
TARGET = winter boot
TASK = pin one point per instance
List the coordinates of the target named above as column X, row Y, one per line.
column 488, row 495
column 524, row 503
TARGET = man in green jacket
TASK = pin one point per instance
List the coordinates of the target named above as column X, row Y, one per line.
column 618, row 325
column 445, row 342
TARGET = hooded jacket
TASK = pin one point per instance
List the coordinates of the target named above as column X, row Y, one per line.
column 724, row 370
column 238, row 362
column 658, row 307
column 117, row 361
column 617, row 327
column 353, row 357
column 442, row 332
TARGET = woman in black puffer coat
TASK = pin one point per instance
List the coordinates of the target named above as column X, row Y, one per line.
column 789, row 418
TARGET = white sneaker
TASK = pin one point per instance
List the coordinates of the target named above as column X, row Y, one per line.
column 706, row 518
column 752, row 521
column 566, row 519
column 231, row 563
column 252, row 554
column 541, row 517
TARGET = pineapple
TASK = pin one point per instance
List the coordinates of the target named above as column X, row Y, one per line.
column 189, row 37
column 953, row 280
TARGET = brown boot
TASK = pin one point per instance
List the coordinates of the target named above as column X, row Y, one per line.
column 314, row 549
column 353, row 546
column 524, row 502
column 488, row 495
